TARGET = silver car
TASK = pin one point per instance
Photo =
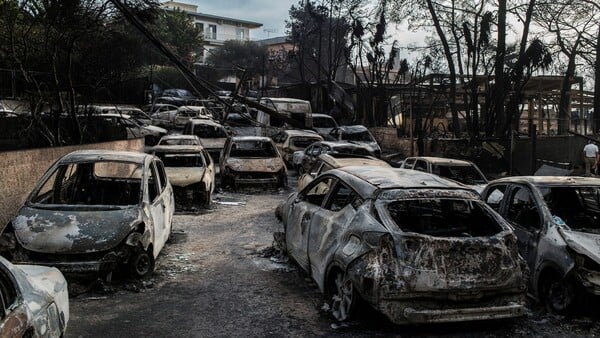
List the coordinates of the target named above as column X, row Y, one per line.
column 416, row 247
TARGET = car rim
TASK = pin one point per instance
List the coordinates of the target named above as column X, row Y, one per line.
column 560, row 296
column 342, row 298
column 143, row 264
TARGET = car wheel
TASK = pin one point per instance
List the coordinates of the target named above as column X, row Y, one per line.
column 559, row 295
column 141, row 264
column 343, row 298
column 207, row 199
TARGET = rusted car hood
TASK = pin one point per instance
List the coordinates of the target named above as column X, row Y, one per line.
column 584, row 243
column 433, row 263
column 255, row 164
column 182, row 177
column 213, row 143
column 73, row 231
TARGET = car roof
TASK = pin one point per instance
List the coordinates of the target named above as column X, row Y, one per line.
column 342, row 160
column 104, row 155
column 392, row 178
column 550, row 180
column 441, row 160
column 284, row 99
column 352, row 129
column 178, row 148
column 179, row 137
column 297, row 132
column 337, row 144
column 322, row 115
column 126, row 116
column 204, row 121
column 250, row 138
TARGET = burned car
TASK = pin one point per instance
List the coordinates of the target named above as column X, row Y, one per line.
column 179, row 140
column 212, row 135
column 94, row 211
column 357, row 134
column 465, row 172
column 556, row 223
column 326, row 162
column 190, row 170
column 290, row 141
column 416, row 247
column 252, row 160
column 35, row 301
column 304, row 160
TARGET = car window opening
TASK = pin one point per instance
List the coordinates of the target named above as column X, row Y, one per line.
column 578, row 207
column 443, row 218
column 181, row 160
column 463, row 174
column 252, row 149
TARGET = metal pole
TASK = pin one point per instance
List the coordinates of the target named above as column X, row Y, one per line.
column 410, row 131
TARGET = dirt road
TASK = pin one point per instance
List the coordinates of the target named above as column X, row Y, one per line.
column 212, row 280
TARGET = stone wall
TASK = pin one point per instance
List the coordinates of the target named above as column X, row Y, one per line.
column 22, row 169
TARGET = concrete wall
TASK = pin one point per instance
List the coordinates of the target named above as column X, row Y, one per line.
column 22, row 169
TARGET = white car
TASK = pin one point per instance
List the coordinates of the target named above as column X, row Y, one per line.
column 35, row 301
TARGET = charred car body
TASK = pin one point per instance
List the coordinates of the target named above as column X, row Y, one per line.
column 357, row 134
column 304, row 160
column 252, row 160
column 290, row 141
column 212, row 135
column 93, row 211
column 556, row 222
column 190, row 170
column 416, row 247
column 35, row 301
column 465, row 172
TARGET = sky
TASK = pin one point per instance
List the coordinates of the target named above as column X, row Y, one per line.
column 271, row 13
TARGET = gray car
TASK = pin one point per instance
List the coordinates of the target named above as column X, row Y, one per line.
column 556, row 220
column 416, row 247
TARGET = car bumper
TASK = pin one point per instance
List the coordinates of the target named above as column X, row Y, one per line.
column 104, row 264
column 590, row 280
column 415, row 310
column 256, row 180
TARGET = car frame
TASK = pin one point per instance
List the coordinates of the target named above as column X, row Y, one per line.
column 286, row 140
column 341, row 134
column 340, row 230
column 564, row 261
column 305, row 160
column 35, row 301
column 261, row 170
column 94, row 211
column 194, row 182
column 429, row 163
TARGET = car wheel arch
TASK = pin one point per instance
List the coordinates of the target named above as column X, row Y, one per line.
column 545, row 270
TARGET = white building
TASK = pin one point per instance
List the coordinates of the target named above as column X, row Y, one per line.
column 217, row 29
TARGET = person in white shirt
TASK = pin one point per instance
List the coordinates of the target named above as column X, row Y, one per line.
column 590, row 157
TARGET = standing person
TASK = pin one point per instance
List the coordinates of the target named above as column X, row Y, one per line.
column 590, row 157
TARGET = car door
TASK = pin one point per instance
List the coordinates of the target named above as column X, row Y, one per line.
column 522, row 211
column 209, row 176
column 408, row 163
column 13, row 314
column 160, row 207
column 328, row 223
column 300, row 215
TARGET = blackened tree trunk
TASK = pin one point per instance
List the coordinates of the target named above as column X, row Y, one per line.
column 565, row 90
column 451, row 68
column 501, row 120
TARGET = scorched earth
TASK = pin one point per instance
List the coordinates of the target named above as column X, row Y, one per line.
column 220, row 276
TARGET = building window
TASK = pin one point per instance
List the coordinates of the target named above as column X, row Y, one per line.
column 212, row 32
column 200, row 26
column 240, row 34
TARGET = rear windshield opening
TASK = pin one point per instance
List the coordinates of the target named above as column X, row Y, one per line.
column 349, row 150
column 209, row 131
column 443, row 218
column 252, row 149
column 460, row 173
column 303, row 142
column 181, row 160
column 363, row 136
column 323, row 122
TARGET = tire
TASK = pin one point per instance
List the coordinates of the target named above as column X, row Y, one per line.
column 207, row 199
column 559, row 295
column 141, row 264
column 342, row 297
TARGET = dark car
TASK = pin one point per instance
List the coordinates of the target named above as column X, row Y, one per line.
column 416, row 247
column 556, row 220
